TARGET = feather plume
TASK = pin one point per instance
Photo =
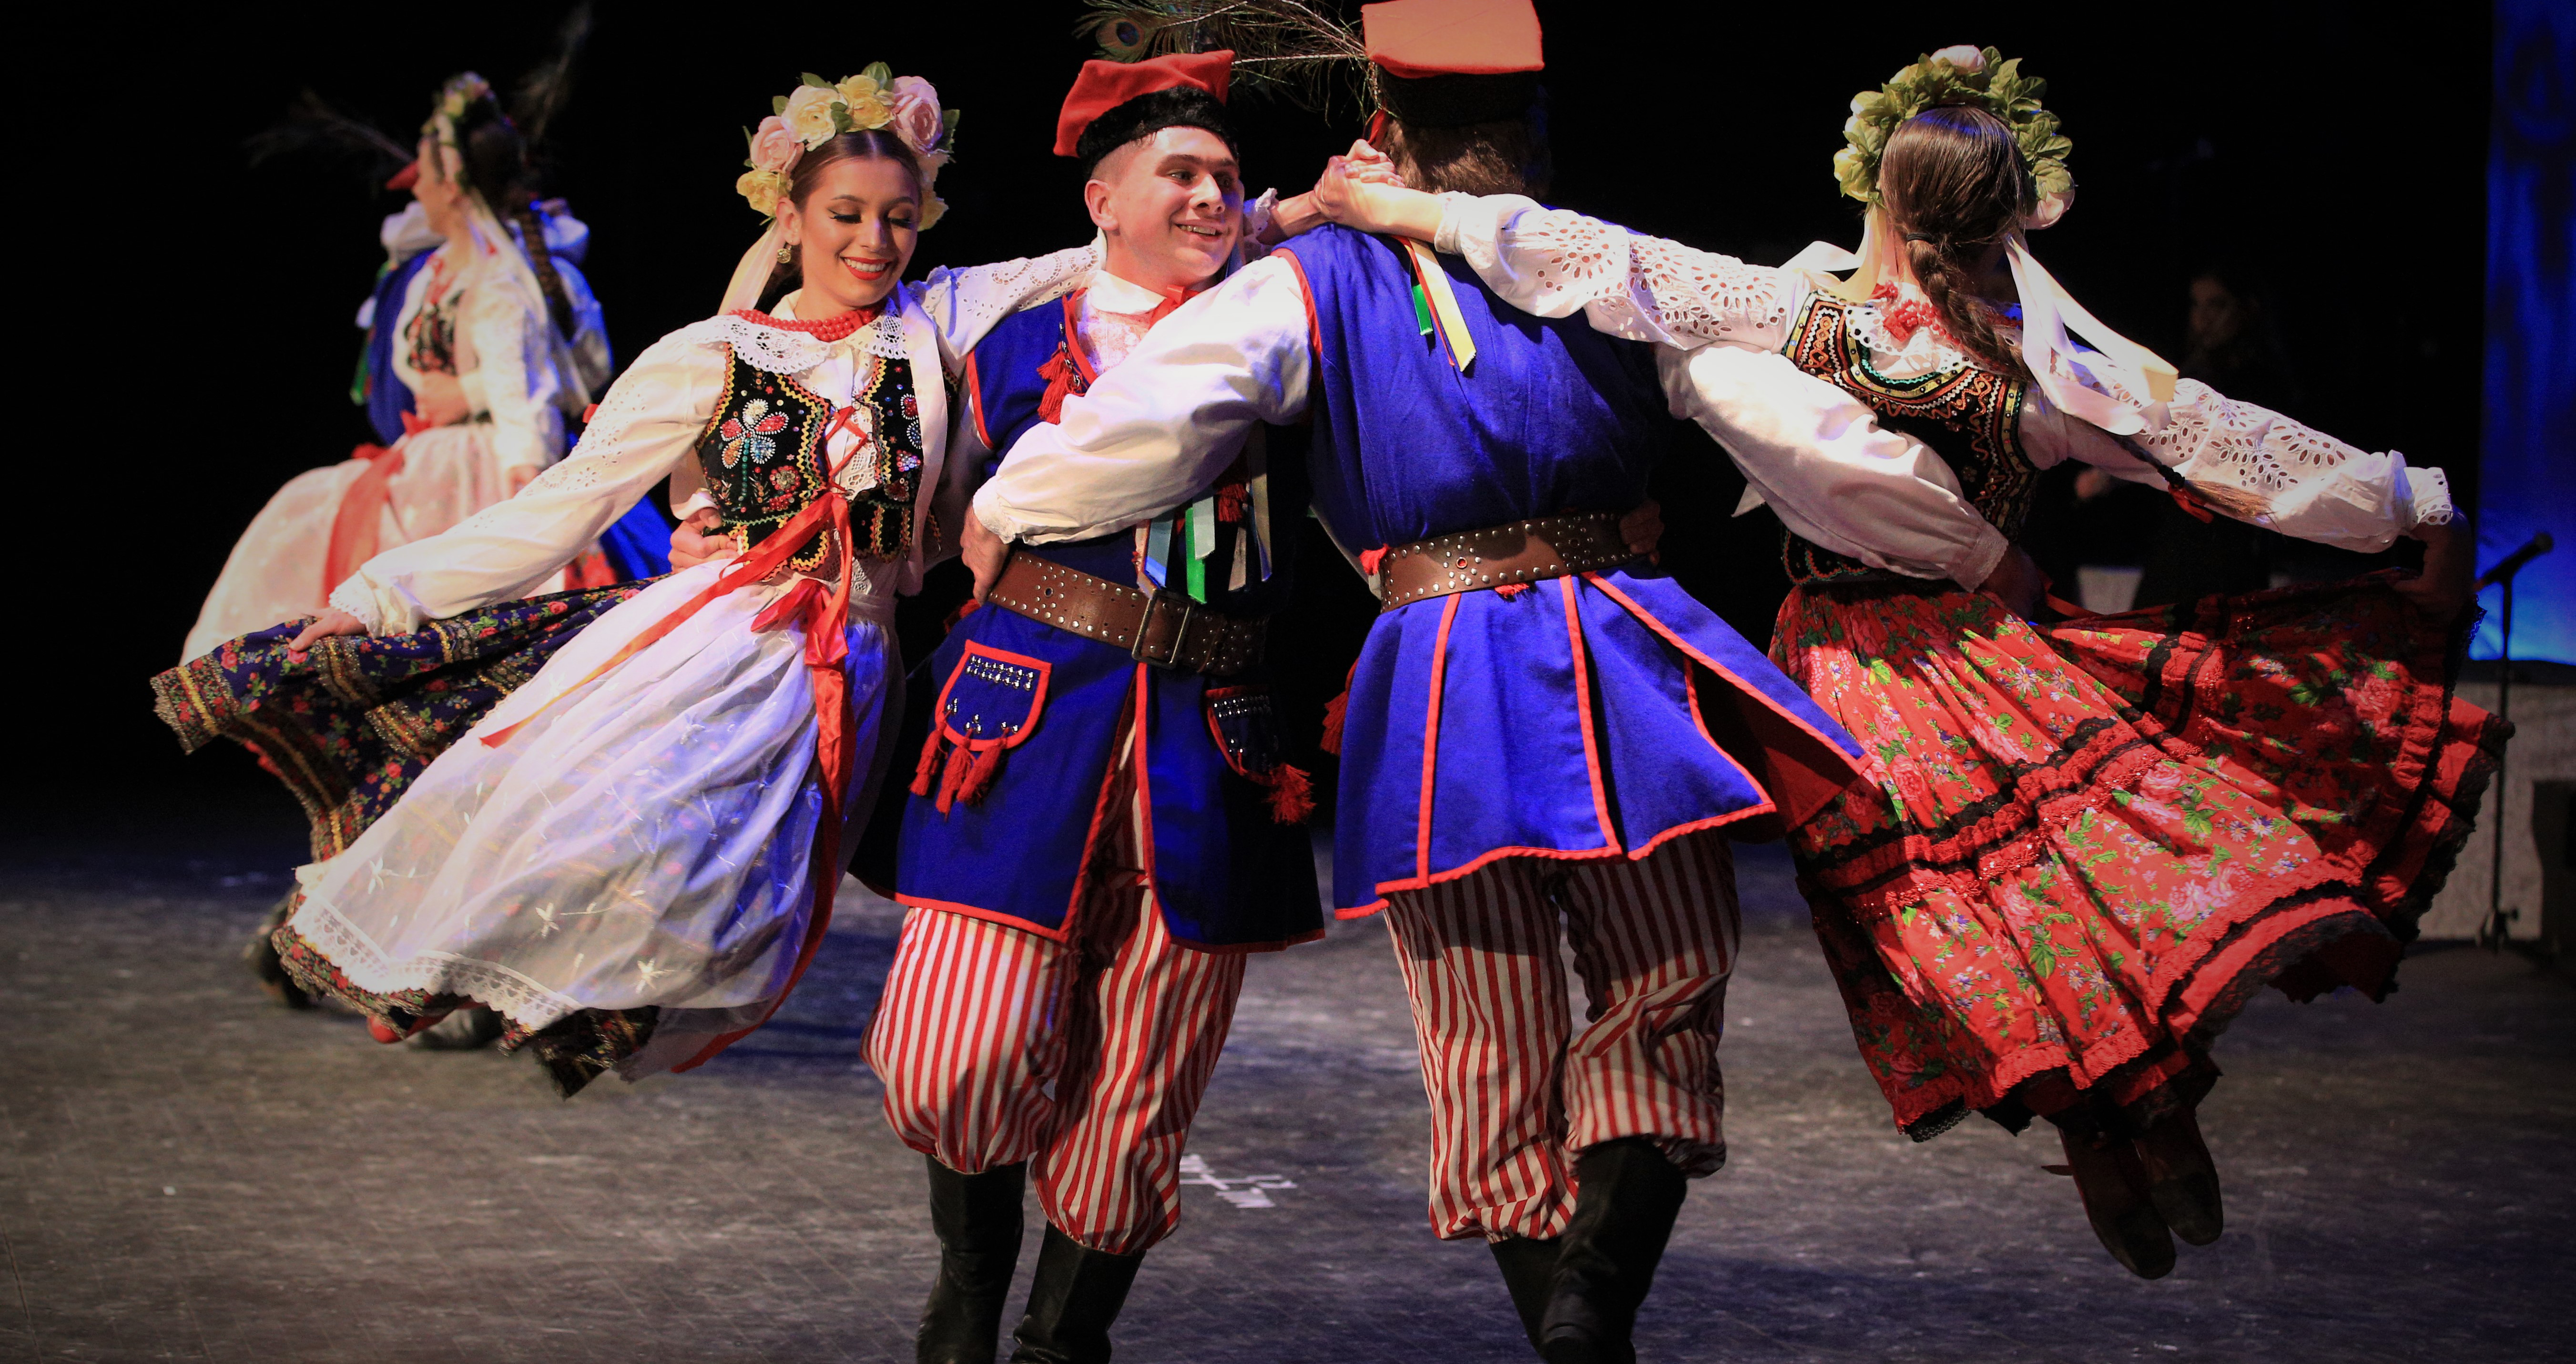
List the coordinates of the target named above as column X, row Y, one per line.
column 1293, row 49
column 543, row 92
column 312, row 126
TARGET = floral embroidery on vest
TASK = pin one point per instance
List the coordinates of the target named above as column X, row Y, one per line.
column 1971, row 418
column 764, row 456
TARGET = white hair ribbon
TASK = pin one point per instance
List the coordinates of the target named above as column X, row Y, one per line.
column 751, row 274
column 2119, row 386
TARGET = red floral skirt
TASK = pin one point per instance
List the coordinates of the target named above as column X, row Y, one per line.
column 2086, row 846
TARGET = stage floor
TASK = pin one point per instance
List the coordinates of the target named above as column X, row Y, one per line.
column 187, row 1172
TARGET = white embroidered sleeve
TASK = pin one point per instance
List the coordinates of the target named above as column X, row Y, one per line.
column 1820, row 459
column 650, row 421
column 519, row 377
column 1553, row 262
column 964, row 304
column 2256, row 466
column 1156, row 428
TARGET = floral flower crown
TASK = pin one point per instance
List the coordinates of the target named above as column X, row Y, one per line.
column 454, row 98
column 821, row 110
column 1978, row 78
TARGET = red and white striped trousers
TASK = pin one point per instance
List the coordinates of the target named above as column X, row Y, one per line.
column 1515, row 1092
column 981, row 1020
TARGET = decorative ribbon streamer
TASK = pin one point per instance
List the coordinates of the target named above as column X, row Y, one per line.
column 357, row 524
column 2047, row 311
column 1443, row 303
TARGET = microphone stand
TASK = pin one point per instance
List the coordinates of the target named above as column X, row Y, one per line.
column 2496, row 929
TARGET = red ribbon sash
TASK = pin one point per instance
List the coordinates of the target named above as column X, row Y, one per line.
column 824, row 614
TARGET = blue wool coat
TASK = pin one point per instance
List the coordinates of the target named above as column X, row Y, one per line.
column 1589, row 716
column 1227, row 875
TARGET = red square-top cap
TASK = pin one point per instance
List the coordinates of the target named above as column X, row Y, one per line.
column 1104, row 86
column 1417, row 38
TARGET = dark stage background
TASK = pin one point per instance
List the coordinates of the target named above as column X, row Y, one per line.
column 2341, row 158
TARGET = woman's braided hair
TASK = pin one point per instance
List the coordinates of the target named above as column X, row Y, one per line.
column 1956, row 184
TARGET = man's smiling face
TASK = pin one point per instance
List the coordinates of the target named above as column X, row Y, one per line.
column 1171, row 206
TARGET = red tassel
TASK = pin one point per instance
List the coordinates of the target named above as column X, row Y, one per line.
column 1292, row 796
column 1507, row 591
column 959, row 759
column 1061, row 384
column 2186, row 499
column 928, row 766
column 1370, row 558
column 980, row 774
column 1333, row 713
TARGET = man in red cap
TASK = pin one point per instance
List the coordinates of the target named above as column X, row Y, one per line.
column 1099, row 826
column 1547, row 742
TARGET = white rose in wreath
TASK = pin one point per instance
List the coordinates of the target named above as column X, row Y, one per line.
column 809, row 114
column 1963, row 56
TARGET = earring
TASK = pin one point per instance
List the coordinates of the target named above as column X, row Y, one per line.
column 786, row 254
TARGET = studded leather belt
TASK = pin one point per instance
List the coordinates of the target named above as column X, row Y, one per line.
column 1165, row 628
column 1521, row 552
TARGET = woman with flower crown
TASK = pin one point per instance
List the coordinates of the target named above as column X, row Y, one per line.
column 632, row 855
column 2088, row 844
column 501, row 345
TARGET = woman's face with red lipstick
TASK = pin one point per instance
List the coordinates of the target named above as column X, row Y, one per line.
column 854, row 234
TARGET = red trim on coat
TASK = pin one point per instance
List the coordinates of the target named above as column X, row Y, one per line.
column 1636, row 854
column 1091, row 836
column 975, row 402
column 1431, row 738
column 1144, row 786
column 1314, row 329
column 1583, row 714
column 1690, row 689
column 990, row 916
column 1062, row 935
column 1815, row 788
column 1037, row 700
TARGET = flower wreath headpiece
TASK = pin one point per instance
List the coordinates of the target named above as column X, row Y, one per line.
column 821, row 110
column 1964, row 75
column 454, row 98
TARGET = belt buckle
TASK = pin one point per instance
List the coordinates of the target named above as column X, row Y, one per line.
column 1163, row 596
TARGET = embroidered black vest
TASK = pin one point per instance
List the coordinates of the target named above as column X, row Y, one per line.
column 763, row 455
column 1971, row 418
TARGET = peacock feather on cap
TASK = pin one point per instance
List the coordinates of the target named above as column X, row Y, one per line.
column 1295, row 50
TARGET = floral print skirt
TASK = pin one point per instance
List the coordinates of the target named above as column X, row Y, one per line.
column 2085, row 846
column 348, row 723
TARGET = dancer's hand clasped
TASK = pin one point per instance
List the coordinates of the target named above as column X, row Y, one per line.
column 2449, row 580
column 984, row 552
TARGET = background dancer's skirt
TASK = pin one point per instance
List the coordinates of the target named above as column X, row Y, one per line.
column 349, row 723
column 620, row 857
column 285, row 566
column 2084, row 848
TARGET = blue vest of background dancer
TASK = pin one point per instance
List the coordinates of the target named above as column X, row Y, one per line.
column 1229, row 873
column 1593, row 715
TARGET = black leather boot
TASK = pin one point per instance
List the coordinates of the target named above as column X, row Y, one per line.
column 1529, row 1271
column 1626, row 1197
column 1076, row 1295
column 977, row 1218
